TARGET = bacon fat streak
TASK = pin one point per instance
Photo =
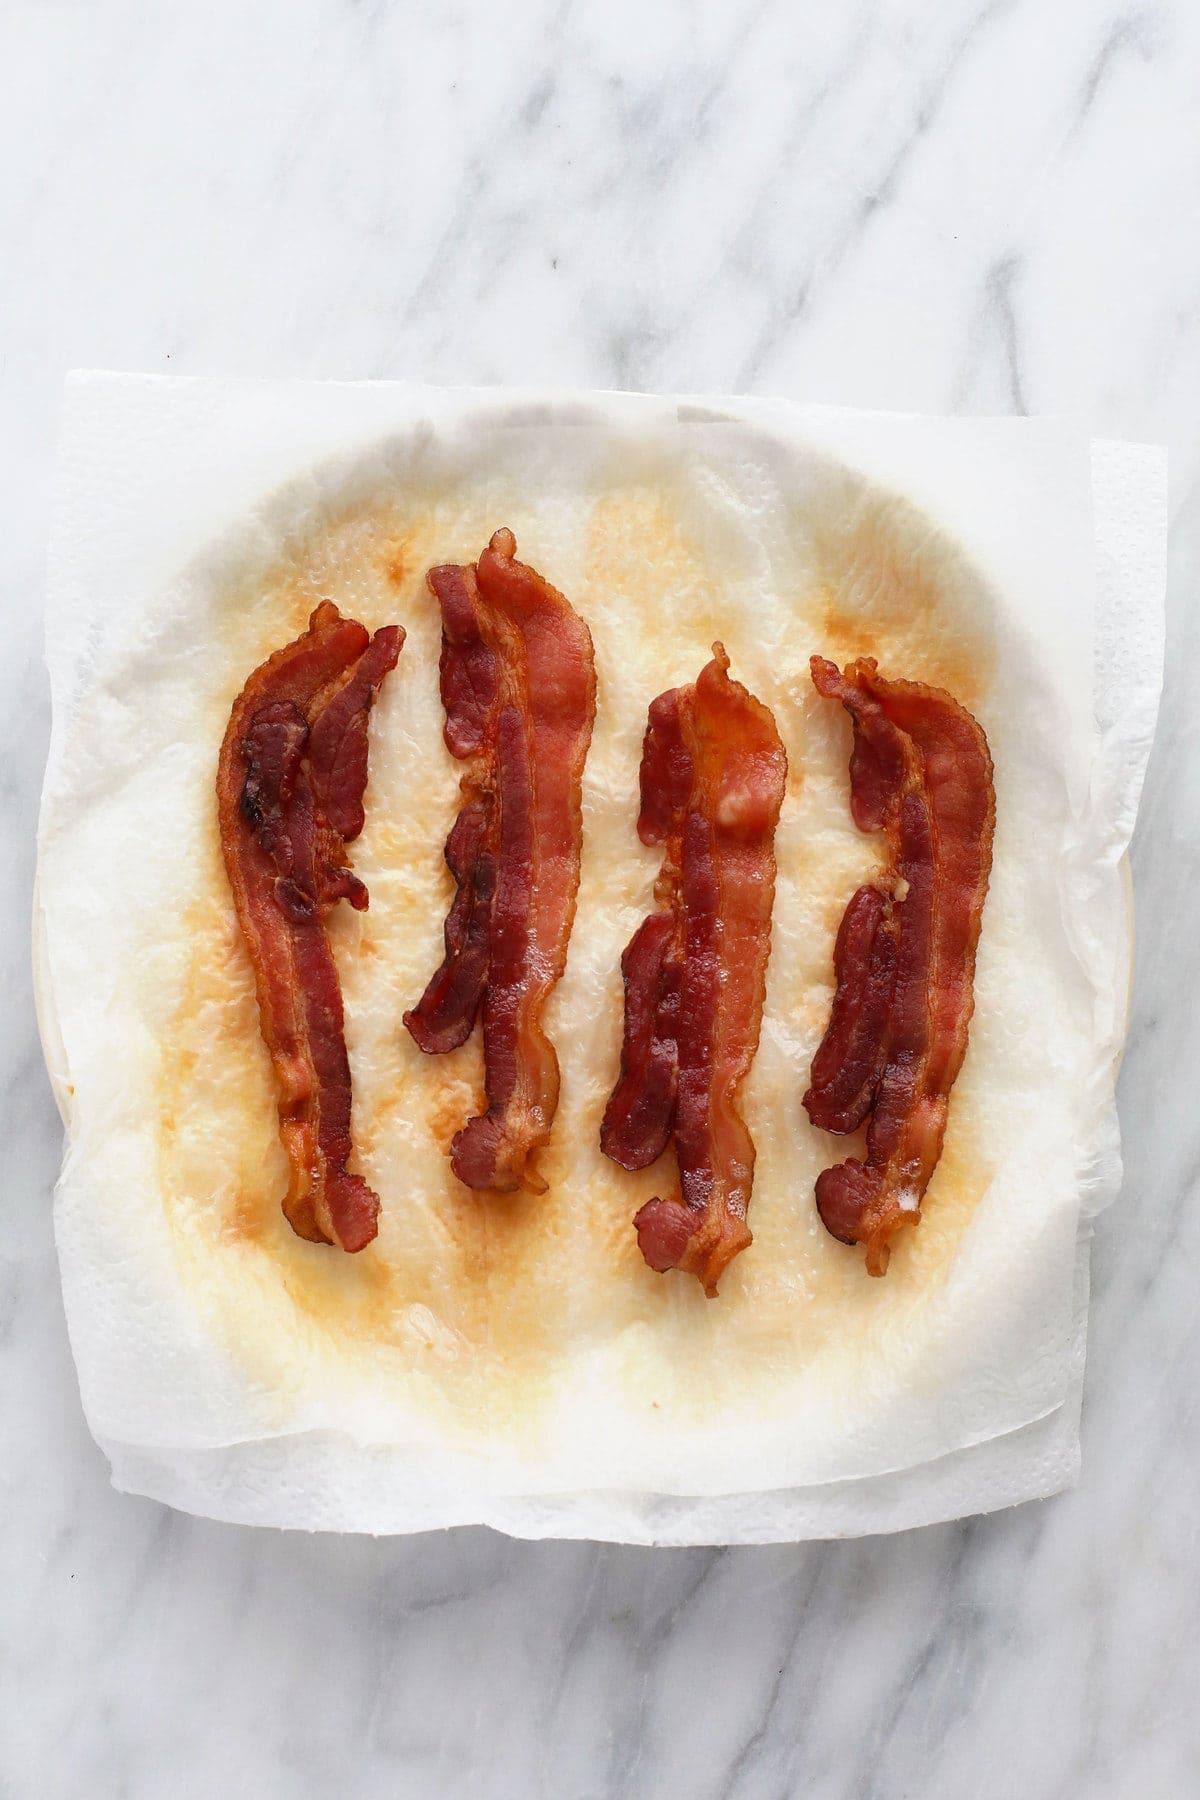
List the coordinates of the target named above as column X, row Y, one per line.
column 519, row 689
column 904, row 962
column 290, row 784
column 712, row 782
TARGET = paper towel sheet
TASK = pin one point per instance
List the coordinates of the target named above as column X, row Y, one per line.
column 806, row 1401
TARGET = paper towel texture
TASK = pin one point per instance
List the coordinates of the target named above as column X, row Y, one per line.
column 510, row 1359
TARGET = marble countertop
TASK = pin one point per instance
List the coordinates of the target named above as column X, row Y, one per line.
column 943, row 205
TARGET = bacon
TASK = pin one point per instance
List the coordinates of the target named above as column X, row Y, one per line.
column 470, row 685
column 290, row 784
column 712, row 782
column 904, row 962
column 849, row 1062
column 639, row 1117
column 519, row 690
column 446, row 1015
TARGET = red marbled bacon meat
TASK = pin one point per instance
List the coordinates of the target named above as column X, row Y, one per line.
column 904, row 963
column 519, row 690
column 712, row 781
column 290, row 784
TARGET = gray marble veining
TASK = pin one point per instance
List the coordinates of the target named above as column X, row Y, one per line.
column 930, row 204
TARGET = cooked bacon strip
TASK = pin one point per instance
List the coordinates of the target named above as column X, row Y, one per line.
column 904, row 963
column 470, row 684
column 519, row 689
column 290, row 783
column 449, row 1006
column 851, row 1056
column 638, row 1120
column 712, row 780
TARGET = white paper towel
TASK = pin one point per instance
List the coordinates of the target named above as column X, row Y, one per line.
column 153, row 473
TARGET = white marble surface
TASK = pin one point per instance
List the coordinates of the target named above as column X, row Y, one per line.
column 949, row 205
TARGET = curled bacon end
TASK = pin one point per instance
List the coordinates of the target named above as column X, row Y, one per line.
column 519, row 691
column 290, row 784
column 712, row 781
column 665, row 1229
column 921, row 774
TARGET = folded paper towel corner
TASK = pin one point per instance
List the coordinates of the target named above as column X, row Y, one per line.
column 510, row 1360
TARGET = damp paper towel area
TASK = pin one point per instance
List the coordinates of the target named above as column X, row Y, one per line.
column 807, row 1400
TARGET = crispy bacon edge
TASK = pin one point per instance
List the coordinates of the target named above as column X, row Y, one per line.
column 518, row 686
column 290, row 782
column 712, row 783
column 904, row 964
